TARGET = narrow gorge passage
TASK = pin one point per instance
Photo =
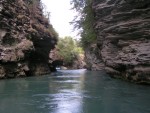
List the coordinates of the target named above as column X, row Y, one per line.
column 114, row 42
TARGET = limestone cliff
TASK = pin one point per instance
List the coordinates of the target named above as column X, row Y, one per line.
column 123, row 38
column 26, row 38
column 93, row 59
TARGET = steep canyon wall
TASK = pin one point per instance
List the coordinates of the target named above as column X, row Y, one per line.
column 26, row 38
column 123, row 38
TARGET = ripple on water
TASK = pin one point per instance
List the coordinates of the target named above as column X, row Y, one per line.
column 68, row 81
column 64, row 76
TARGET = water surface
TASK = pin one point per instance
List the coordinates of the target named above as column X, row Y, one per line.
column 73, row 91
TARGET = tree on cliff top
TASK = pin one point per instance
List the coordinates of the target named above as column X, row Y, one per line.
column 84, row 21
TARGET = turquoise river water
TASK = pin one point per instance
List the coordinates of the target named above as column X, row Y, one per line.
column 73, row 91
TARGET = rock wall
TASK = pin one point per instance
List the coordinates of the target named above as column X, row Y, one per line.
column 93, row 59
column 123, row 38
column 26, row 38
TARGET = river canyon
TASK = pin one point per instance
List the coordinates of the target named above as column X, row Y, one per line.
column 73, row 91
column 121, row 50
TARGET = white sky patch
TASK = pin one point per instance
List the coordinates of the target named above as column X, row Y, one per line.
column 60, row 16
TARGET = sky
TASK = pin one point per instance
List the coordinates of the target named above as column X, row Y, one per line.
column 60, row 16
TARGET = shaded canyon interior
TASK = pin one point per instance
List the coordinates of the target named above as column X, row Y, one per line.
column 122, row 47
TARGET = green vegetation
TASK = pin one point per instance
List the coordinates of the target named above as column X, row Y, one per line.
column 68, row 49
column 84, row 21
column 40, row 22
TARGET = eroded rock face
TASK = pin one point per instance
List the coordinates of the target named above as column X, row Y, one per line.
column 123, row 35
column 93, row 59
column 25, row 39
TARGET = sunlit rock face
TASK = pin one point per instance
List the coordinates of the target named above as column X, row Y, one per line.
column 123, row 38
column 25, row 39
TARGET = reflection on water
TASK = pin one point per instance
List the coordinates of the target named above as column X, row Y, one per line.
column 73, row 91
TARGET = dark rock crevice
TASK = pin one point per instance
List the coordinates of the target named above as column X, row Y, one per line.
column 26, row 38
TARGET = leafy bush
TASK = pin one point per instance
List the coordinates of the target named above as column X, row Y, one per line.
column 68, row 49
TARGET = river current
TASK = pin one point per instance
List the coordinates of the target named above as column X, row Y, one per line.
column 73, row 91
